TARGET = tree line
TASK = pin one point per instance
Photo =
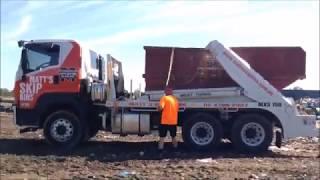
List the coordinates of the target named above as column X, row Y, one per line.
column 6, row 92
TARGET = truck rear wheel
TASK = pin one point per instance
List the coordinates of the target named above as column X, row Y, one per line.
column 202, row 132
column 252, row 133
column 63, row 129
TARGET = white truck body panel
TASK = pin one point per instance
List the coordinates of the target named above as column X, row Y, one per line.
column 254, row 85
column 254, row 93
column 257, row 88
column 198, row 93
column 218, row 95
column 87, row 57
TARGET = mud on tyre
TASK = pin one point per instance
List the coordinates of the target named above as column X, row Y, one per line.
column 252, row 133
column 202, row 132
column 63, row 129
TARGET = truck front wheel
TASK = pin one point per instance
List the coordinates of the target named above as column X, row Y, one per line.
column 252, row 133
column 63, row 129
column 202, row 132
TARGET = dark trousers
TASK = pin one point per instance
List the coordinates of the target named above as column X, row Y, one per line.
column 163, row 129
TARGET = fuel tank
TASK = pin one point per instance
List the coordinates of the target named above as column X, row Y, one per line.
column 197, row 68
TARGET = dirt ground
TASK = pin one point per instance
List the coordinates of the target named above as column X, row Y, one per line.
column 108, row 156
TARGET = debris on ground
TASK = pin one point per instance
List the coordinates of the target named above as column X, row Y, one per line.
column 108, row 156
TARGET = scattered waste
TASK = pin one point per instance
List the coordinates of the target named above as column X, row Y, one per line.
column 253, row 176
column 127, row 173
column 207, row 160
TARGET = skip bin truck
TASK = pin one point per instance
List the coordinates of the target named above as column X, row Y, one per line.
column 72, row 92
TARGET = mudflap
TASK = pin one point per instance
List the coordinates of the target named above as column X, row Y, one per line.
column 278, row 141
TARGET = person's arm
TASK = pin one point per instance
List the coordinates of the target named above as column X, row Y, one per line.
column 177, row 104
column 161, row 104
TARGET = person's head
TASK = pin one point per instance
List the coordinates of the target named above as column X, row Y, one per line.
column 168, row 91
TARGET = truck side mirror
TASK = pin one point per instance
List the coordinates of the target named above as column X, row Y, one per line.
column 21, row 43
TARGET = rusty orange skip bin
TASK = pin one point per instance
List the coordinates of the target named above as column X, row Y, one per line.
column 196, row 68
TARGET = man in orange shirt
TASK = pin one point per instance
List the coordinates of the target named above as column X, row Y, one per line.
column 169, row 107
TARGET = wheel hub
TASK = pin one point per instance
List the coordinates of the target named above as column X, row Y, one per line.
column 61, row 130
column 252, row 134
column 202, row 133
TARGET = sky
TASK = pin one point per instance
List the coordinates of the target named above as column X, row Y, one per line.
column 122, row 28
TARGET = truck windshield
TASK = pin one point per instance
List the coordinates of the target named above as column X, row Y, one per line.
column 40, row 55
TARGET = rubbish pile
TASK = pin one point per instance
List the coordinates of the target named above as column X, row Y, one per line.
column 309, row 106
column 5, row 108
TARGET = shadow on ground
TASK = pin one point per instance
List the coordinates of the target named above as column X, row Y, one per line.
column 122, row 151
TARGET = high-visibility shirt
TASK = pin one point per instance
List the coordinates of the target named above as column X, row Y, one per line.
column 170, row 107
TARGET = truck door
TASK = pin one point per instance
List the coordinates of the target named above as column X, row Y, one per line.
column 34, row 74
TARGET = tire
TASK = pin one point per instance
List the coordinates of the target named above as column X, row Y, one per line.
column 93, row 132
column 90, row 133
column 252, row 133
column 63, row 130
column 202, row 132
